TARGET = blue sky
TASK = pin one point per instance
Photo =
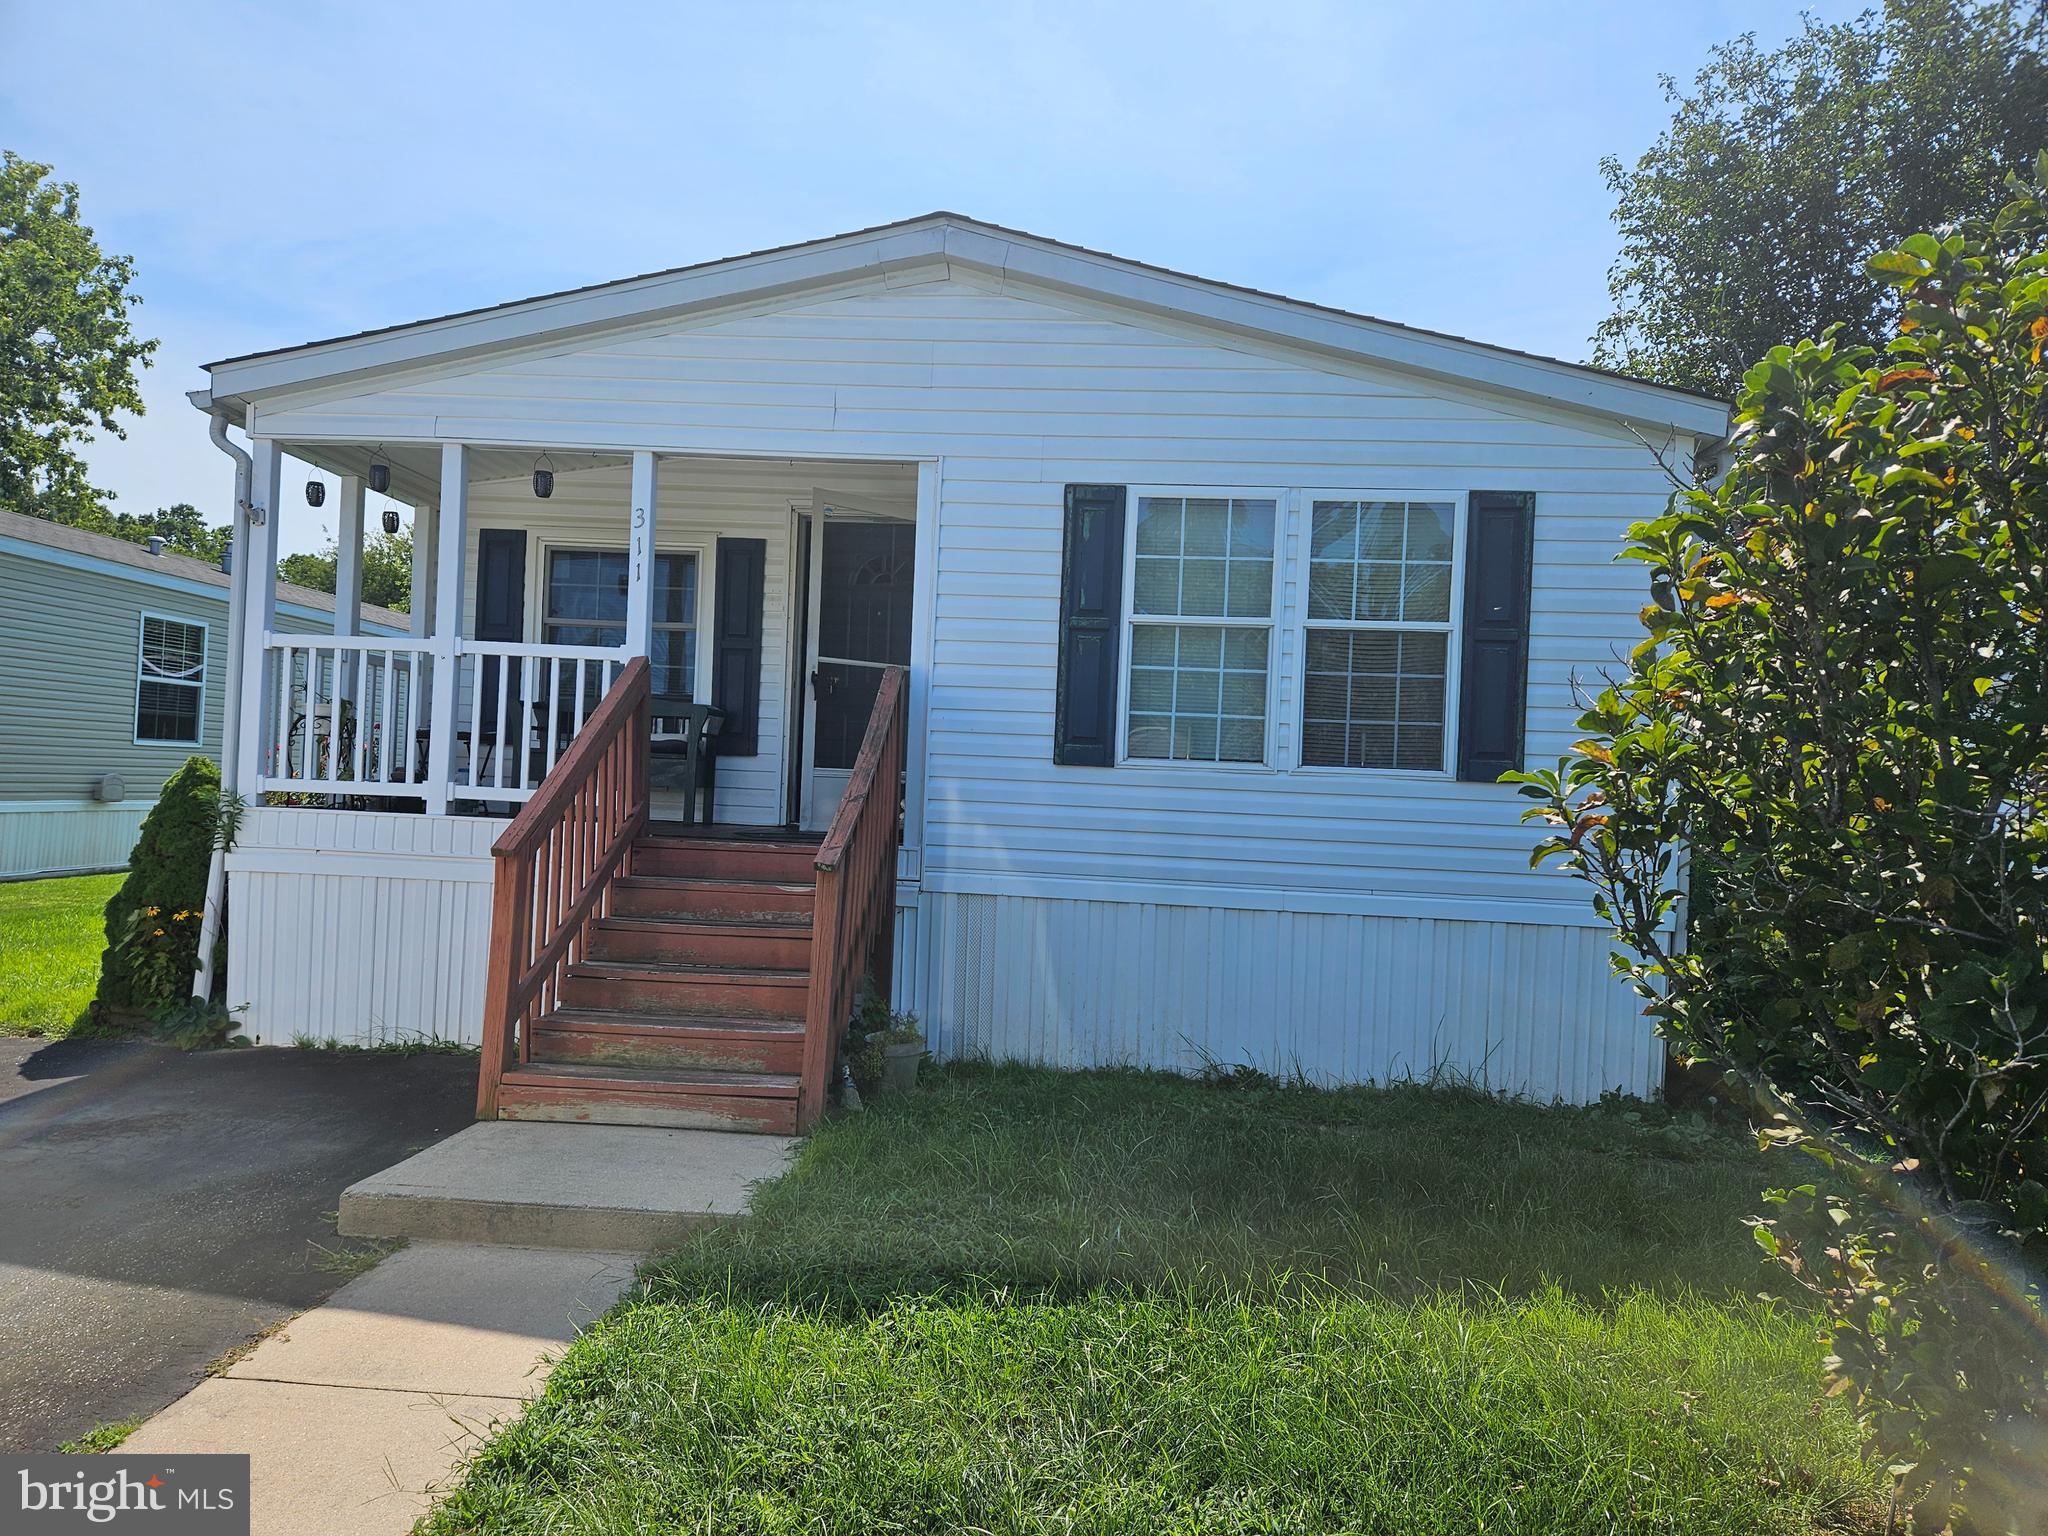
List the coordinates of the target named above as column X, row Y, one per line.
column 286, row 172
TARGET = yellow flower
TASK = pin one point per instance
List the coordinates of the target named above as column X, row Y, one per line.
column 152, row 911
column 159, row 933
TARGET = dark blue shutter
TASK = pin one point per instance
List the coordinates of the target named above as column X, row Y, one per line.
column 500, row 599
column 1493, row 669
column 1091, row 626
column 742, row 570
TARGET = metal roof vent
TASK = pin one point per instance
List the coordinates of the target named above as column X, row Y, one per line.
column 156, row 543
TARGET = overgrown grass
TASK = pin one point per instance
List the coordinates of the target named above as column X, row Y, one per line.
column 1030, row 1301
column 51, row 935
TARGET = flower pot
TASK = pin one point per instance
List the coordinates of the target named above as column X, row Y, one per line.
column 899, row 1066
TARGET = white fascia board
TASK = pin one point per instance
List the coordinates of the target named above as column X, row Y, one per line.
column 565, row 317
column 1345, row 336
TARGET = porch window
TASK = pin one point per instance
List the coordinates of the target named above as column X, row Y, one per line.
column 1377, row 677
column 1201, row 620
column 586, row 605
column 170, row 682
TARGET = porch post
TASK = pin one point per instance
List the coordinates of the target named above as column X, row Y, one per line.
column 259, row 611
column 348, row 559
column 640, row 560
column 426, row 530
column 447, row 623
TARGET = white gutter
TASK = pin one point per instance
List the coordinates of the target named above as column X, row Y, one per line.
column 230, row 726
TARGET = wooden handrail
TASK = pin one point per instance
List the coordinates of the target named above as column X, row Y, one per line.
column 553, row 869
column 853, row 922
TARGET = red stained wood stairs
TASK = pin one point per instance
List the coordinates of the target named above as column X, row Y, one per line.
column 687, row 1006
column 640, row 977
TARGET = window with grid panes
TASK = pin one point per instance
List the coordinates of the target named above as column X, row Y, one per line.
column 1201, row 620
column 1377, row 658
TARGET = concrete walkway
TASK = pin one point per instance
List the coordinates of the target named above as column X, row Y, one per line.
column 357, row 1412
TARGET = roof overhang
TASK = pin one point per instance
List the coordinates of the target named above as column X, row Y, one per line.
column 994, row 252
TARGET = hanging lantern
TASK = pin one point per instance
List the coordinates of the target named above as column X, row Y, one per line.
column 543, row 478
column 316, row 492
column 380, row 472
column 391, row 519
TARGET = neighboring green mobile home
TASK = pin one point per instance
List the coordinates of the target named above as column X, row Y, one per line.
column 112, row 668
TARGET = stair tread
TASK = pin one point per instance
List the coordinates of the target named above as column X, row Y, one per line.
column 655, row 1023
column 712, row 882
column 698, row 922
column 681, row 1080
column 669, row 970
column 726, row 844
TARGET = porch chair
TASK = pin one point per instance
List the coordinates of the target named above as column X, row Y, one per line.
column 682, row 751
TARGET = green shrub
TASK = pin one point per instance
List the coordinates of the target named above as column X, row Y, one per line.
column 1841, row 714
column 153, row 919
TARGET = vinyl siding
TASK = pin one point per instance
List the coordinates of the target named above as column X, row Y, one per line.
column 1018, row 394
column 67, row 689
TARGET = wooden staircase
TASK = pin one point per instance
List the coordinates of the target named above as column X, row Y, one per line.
column 687, row 1006
column 638, row 978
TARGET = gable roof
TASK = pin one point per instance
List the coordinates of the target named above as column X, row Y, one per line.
column 993, row 249
column 118, row 557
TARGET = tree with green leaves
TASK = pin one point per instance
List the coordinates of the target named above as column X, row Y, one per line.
column 387, row 569
column 1839, row 717
column 180, row 527
column 1750, row 218
column 68, row 357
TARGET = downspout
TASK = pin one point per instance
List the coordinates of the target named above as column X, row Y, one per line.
column 231, row 721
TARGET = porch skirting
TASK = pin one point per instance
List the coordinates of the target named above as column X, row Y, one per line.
column 52, row 837
column 359, row 927
column 365, row 928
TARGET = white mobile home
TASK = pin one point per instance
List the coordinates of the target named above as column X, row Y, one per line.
column 1143, row 649
column 111, row 675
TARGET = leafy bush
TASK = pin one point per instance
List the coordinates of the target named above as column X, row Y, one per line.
column 153, row 919
column 1840, row 715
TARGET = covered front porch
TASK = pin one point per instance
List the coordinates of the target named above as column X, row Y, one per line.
column 476, row 831
column 773, row 591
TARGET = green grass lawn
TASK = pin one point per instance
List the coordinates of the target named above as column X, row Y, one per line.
column 51, row 936
column 1024, row 1301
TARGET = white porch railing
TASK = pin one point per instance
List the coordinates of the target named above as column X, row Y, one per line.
column 517, row 709
column 351, row 716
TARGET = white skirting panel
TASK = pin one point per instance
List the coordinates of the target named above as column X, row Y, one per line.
column 67, row 836
column 359, row 927
column 1521, row 1008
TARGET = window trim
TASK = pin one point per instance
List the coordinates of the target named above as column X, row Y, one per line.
column 198, row 739
column 544, row 552
column 1272, row 624
column 1452, row 629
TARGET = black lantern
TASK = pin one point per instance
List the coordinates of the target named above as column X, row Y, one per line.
column 543, row 479
column 391, row 519
column 316, row 492
column 380, row 473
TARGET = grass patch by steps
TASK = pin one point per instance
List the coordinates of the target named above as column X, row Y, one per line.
column 1029, row 1301
column 51, row 935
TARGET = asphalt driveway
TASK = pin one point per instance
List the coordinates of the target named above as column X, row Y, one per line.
column 158, row 1209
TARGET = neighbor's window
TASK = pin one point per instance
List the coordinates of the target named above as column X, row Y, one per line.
column 1380, row 579
column 1201, row 621
column 586, row 605
column 170, row 681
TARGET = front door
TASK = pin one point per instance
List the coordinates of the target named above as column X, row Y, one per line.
column 860, row 601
